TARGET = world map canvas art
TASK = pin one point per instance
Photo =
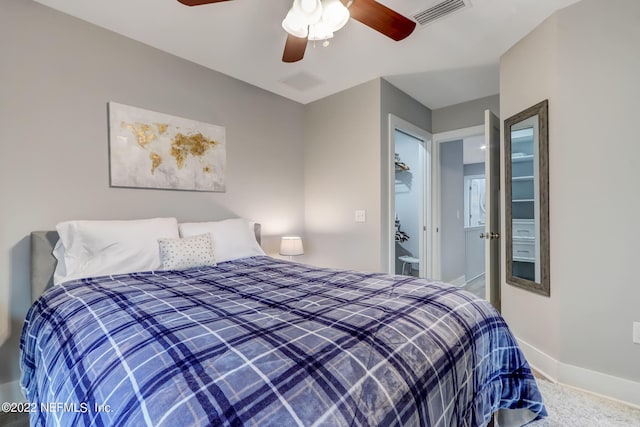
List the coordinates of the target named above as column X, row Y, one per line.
column 155, row 150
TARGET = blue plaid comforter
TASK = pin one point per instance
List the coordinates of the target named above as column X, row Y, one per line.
column 265, row 342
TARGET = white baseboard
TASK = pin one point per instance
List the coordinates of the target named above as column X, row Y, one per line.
column 11, row 392
column 604, row 385
column 460, row 281
column 477, row 276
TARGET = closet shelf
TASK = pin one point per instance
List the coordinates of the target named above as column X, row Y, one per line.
column 526, row 158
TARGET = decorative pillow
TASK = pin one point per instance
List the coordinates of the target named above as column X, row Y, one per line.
column 189, row 252
column 98, row 248
column 231, row 238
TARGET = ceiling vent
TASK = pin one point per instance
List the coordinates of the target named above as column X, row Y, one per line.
column 440, row 10
column 302, row 81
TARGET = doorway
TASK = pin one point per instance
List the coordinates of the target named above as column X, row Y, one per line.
column 462, row 212
column 409, row 172
column 466, row 217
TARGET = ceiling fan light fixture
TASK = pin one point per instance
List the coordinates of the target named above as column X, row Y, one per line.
column 321, row 18
column 334, row 14
column 320, row 31
column 310, row 9
column 295, row 24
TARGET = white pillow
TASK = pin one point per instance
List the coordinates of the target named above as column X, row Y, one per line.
column 189, row 252
column 232, row 238
column 97, row 248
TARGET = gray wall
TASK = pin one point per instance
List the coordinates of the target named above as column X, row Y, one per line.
column 58, row 73
column 466, row 114
column 585, row 62
column 342, row 174
column 452, row 241
column 475, row 250
column 474, row 169
column 394, row 101
column 346, row 144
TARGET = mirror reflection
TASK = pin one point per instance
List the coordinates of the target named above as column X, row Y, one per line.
column 526, row 170
column 525, row 223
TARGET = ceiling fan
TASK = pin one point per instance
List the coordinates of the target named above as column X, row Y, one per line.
column 318, row 19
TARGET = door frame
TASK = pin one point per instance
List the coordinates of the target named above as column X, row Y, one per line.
column 426, row 177
column 439, row 138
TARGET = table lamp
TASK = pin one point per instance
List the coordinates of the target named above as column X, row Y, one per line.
column 291, row 246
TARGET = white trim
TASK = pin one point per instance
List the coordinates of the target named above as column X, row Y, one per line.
column 597, row 383
column 426, row 213
column 11, row 392
column 459, row 281
column 467, row 281
column 439, row 138
column 456, row 134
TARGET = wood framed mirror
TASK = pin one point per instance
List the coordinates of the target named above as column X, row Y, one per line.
column 527, row 199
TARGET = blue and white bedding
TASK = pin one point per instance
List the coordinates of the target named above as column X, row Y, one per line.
column 265, row 342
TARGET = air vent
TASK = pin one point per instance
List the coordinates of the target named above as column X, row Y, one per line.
column 302, row 81
column 440, row 10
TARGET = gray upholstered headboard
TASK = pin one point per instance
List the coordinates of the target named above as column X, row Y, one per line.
column 43, row 263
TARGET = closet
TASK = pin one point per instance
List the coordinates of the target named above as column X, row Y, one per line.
column 408, row 201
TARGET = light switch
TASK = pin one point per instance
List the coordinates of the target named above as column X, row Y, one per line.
column 361, row 216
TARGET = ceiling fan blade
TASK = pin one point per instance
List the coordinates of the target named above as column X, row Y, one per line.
column 381, row 18
column 199, row 2
column 294, row 48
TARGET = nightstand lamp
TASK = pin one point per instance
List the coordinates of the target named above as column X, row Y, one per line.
column 291, row 246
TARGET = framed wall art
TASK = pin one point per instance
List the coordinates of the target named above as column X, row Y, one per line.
column 148, row 149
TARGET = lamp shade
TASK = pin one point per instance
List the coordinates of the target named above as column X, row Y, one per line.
column 295, row 24
column 334, row 15
column 310, row 9
column 291, row 246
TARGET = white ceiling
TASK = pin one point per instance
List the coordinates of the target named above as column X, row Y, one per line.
column 452, row 60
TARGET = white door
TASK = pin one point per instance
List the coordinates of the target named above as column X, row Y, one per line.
column 492, row 200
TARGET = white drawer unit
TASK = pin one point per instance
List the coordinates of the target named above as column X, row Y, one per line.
column 524, row 250
column 524, row 228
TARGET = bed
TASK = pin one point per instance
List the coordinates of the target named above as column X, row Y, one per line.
column 262, row 341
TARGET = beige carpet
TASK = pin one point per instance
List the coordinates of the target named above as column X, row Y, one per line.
column 568, row 407
column 14, row 420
